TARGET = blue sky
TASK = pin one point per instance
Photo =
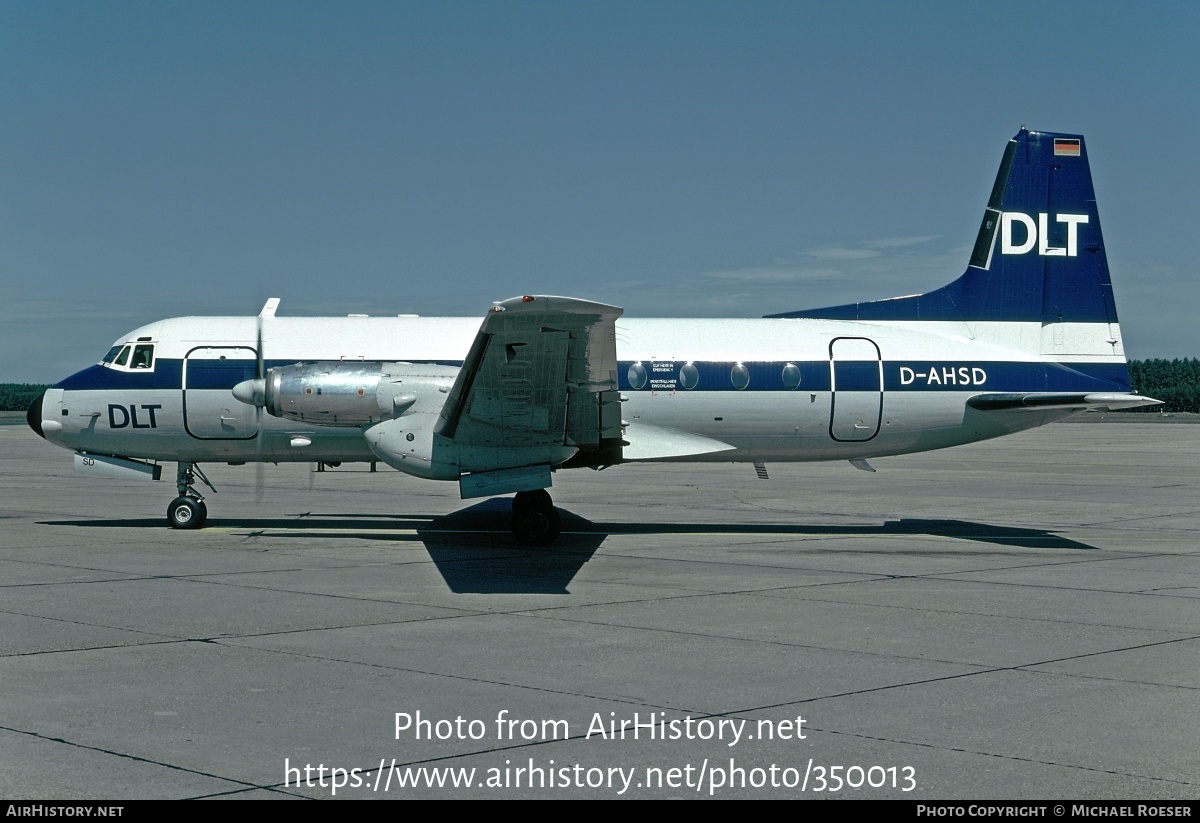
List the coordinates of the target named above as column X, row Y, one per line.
column 677, row 159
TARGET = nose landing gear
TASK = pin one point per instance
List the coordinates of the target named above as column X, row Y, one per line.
column 187, row 511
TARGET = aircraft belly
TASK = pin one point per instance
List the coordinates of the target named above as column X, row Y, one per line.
column 756, row 424
column 795, row 426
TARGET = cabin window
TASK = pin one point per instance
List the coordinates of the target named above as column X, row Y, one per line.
column 689, row 376
column 637, row 375
column 739, row 375
column 791, row 375
column 123, row 357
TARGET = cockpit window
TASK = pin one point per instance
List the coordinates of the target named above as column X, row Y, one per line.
column 130, row 357
column 143, row 356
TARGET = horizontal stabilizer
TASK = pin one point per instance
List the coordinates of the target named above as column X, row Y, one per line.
column 1043, row 401
column 646, row 442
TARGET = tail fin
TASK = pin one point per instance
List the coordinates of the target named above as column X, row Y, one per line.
column 1039, row 255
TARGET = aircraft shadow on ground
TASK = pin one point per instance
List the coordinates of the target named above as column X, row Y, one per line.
column 475, row 552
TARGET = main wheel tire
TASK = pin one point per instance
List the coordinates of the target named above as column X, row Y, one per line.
column 536, row 526
column 186, row 513
column 529, row 501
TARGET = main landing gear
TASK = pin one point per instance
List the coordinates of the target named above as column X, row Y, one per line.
column 187, row 511
column 535, row 521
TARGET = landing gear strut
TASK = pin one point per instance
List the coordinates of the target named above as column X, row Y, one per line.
column 535, row 521
column 187, row 511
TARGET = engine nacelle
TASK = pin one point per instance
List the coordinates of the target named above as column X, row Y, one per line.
column 354, row 393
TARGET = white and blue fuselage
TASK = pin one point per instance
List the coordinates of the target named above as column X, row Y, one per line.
column 774, row 389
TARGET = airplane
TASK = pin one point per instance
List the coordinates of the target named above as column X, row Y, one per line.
column 1027, row 335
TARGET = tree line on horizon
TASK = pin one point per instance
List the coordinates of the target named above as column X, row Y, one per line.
column 1175, row 382
column 19, row 396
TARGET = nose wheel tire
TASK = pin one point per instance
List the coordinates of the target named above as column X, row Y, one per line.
column 535, row 521
column 186, row 513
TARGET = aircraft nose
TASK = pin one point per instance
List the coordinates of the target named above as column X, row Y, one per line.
column 34, row 416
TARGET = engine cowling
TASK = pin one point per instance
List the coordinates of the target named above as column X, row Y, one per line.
column 348, row 394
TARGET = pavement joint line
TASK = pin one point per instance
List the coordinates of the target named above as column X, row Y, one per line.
column 1023, row 668
column 751, row 641
column 79, row 582
column 169, row 639
column 1021, row 584
column 126, row 756
column 516, row 612
column 484, row 681
column 166, row 637
column 837, row 648
column 1013, row 757
column 771, row 593
column 1082, row 676
column 1157, row 516
column 106, row 647
column 271, row 787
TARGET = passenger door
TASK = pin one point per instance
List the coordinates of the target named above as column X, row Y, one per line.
column 210, row 411
column 857, row 389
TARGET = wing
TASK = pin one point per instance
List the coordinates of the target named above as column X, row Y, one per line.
column 538, row 388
